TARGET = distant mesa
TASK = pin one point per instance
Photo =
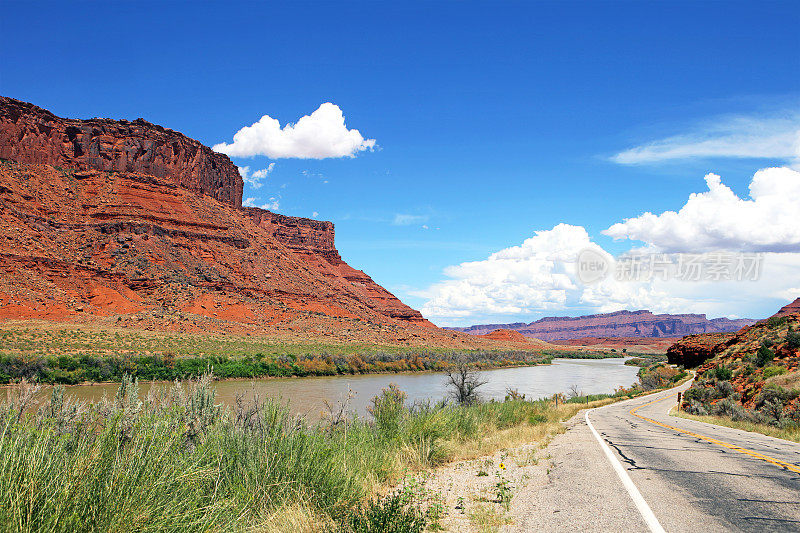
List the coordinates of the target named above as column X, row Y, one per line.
column 618, row 324
column 507, row 335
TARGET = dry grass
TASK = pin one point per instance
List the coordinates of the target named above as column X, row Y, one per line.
column 787, row 381
column 487, row 519
column 296, row 518
column 764, row 429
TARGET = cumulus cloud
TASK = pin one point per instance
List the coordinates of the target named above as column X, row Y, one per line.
column 254, row 179
column 540, row 277
column 534, row 276
column 320, row 135
column 272, row 205
column 732, row 136
column 768, row 221
column 401, row 219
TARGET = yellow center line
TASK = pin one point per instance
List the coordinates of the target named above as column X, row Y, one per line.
column 751, row 453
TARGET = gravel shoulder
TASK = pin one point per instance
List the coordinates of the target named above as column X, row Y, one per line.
column 564, row 485
column 689, row 482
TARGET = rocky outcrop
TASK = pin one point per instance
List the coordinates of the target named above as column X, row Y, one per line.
column 766, row 354
column 301, row 234
column 693, row 350
column 314, row 241
column 507, row 335
column 619, row 324
column 789, row 309
column 30, row 134
column 102, row 230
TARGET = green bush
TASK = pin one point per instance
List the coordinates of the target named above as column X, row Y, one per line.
column 770, row 371
column 392, row 514
column 723, row 389
column 388, row 409
column 793, row 339
column 776, row 321
column 723, row 373
column 764, row 355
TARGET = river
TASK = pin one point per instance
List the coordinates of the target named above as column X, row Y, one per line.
column 307, row 396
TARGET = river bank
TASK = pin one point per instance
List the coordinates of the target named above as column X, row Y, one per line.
column 177, row 456
column 61, row 355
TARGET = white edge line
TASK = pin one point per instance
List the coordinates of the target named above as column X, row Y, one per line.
column 636, row 496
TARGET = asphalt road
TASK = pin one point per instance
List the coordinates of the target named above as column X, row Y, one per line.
column 693, row 476
column 700, row 477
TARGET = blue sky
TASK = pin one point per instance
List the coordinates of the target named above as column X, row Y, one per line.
column 492, row 120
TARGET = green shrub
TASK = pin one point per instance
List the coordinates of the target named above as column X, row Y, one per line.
column 388, row 409
column 392, row 514
column 723, row 373
column 770, row 371
column 723, row 389
column 725, row 407
column 776, row 321
column 793, row 339
column 764, row 355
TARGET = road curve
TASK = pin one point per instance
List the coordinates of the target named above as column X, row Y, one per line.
column 693, row 476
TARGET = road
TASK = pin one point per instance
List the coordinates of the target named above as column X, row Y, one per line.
column 691, row 475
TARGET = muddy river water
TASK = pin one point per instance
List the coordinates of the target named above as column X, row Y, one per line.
column 307, row 396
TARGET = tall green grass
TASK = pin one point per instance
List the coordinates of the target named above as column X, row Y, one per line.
column 176, row 461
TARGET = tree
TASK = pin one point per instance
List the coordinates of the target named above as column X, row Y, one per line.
column 463, row 382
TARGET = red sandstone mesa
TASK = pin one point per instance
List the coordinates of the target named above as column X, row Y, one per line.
column 30, row 134
column 134, row 223
column 619, row 324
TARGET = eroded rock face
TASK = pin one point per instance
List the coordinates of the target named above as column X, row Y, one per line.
column 30, row 134
column 84, row 245
column 693, row 350
column 789, row 309
column 104, row 218
column 619, row 324
column 314, row 241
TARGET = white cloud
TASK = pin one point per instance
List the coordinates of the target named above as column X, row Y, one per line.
column 254, row 179
column 401, row 219
column 540, row 277
column 769, row 221
column 776, row 137
column 321, row 135
column 314, row 214
column 535, row 276
column 272, row 205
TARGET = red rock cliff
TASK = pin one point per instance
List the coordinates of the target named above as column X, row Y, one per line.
column 314, row 240
column 30, row 134
column 85, row 237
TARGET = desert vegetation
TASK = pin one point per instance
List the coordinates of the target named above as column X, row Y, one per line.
column 75, row 355
column 755, row 382
column 174, row 459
